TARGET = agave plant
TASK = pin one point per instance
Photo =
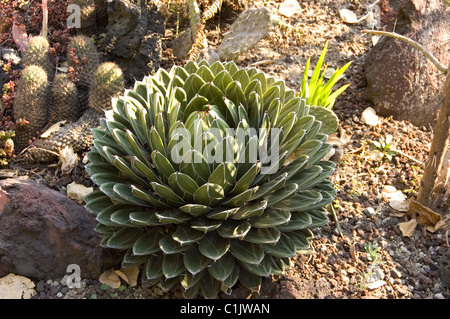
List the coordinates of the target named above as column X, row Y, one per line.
column 210, row 175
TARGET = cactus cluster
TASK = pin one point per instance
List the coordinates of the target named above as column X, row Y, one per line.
column 6, row 146
column 41, row 101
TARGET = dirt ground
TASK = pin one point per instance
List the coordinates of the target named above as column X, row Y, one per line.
column 363, row 253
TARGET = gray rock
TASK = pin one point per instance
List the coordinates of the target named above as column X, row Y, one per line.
column 182, row 44
column 444, row 268
column 42, row 231
column 135, row 28
column 400, row 80
column 249, row 28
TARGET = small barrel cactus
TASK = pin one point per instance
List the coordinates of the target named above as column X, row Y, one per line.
column 66, row 105
column 84, row 58
column 210, row 175
column 37, row 52
column 107, row 83
column 31, row 105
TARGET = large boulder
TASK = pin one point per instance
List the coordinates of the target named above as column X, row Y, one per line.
column 42, row 232
column 400, row 80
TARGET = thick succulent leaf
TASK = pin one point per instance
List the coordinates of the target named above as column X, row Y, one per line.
column 169, row 283
column 209, row 194
column 246, row 180
column 209, row 286
column 270, row 218
column 97, row 201
column 214, row 246
column 189, row 280
column 327, row 198
column 195, row 209
column 222, row 268
column 263, row 269
column 172, row 265
column 183, row 185
column 194, row 261
column 319, row 218
column 284, row 248
column 306, row 177
column 145, row 218
column 156, row 142
column 192, row 85
column 293, row 167
column 250, row 210
column 234, row 229
column 205, row 224
column 231, row 280
column 222, row 214
column 122, row 217
column 241, row 198
column 144, row 170
column 222, row 80
column 153, row 267
column 167, row 193
column 269, row 235
column 249, row 280
column 285, row 193
column 247, row 252
column 124, row 238
column 169, row 246
column 172, row 216
column 163, row 165
column 272, row 186
column 299, row 220
column 319, row 154
column 186, row 235
column 131, row 260
column 148, row 243
column 279, row 265
column 147, row 196
column 124, row 191
column 104, row 216
column 195, row 165
column 224, row 175
column 328, row 118
column 126, row 168
column 299, row 239
column 301, row 201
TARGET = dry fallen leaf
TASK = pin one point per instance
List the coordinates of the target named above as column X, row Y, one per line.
column 424, row 215
column 348, row 16
column 396, row 198
column 77, row 192
column 16, row 287
column 110, row 278
column 55, row 127
column 68, row 158
column 408, row 228
column 129, row 275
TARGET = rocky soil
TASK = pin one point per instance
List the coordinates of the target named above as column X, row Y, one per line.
column 362, row 253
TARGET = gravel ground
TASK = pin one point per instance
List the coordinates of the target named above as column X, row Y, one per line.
column 341, row 266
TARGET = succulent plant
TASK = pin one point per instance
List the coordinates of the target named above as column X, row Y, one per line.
column 210, row 175
column 66, row 105
column 37, row 52
column 31, row 104
column 6, row 146
column 107, row 83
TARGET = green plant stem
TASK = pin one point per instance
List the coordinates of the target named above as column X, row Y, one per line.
column 413, row 43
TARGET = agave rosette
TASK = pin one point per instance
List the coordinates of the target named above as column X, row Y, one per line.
column 210, row 175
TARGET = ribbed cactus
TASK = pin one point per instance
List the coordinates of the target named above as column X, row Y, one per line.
column 84, row 58
column 77, row 135
column 88, row 15
column 37, row 52
column 107, row 83
column 31, row 104
column 66, row 105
